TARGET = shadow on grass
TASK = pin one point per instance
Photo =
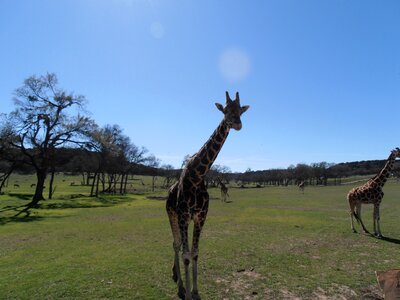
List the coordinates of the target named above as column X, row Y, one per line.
column 23, row 216
column 161, row 198
column 8, row 208
column 383, row 238
column 390, row 240
column 83, row 202
column 23, row 213
column 21, row 196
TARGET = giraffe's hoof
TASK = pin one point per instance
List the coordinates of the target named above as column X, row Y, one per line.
column 188, row 297
column 181, row 292
column 195, row 295
column 354, row 231
column 379, row 236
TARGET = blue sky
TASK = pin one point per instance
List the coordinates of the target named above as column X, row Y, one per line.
column 322, row 78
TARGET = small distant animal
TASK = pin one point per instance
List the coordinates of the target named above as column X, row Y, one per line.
column 72, row 183
column 301, row 186
column 224, row 190
column 16, row 185
column 33, row 185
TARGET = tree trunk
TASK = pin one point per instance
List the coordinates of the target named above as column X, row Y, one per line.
column 125, row 183
column 97, row 184
column 38, row 196
column 103, row 182
column 121, row 184
column 51, row 184
column 5, row 178
column 83, row 178
column 88, row 178
column 93, row 183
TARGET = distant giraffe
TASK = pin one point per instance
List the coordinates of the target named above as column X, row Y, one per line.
column 224, row 190
column 301, row 186
column 371, row 193
column 188, row 198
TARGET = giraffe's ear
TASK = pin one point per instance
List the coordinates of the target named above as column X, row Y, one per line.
column 220, row 107
column 244, row 108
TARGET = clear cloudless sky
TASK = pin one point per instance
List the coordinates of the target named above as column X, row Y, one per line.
column 322, row 78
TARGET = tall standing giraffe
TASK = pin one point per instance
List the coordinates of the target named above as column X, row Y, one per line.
column 371, row 193
column 188, row 197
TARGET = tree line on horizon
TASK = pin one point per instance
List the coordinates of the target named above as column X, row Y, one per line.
column 50, row 131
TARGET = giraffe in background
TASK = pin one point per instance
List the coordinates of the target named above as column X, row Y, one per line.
column 371, row 193
column 188, row 198
column 301, row 186
column 224, row 190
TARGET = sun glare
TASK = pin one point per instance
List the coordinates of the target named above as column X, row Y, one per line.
column 234, row 65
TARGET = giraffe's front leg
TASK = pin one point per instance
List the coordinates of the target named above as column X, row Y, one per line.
column 377, row 226
column 183, row 225
column 176, row 271
column 198, row 225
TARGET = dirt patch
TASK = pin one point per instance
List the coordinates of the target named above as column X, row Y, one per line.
column 245, row 284
column 241, row 283
column 342, row 292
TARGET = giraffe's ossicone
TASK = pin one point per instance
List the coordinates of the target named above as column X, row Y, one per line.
column 188, row 197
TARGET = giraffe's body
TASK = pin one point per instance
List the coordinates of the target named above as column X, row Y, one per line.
column 371, row 193
column 188, row 198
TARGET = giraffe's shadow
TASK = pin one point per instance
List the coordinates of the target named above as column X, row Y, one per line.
column 383, row 238
column 390, row 240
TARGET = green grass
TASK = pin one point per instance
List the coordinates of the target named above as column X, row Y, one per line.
column 268, row 243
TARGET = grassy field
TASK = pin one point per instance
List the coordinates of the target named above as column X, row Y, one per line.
column 267, row 243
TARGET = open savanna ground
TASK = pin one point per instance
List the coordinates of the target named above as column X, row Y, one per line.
column 266, row 243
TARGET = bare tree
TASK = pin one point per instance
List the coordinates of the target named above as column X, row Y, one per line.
column 10, row 157
column 170, row 175
column 46, row 117
column 117, row 158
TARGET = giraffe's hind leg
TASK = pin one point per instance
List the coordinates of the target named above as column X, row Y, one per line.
column 352, row 213
column 358, row 216
column 177, row 244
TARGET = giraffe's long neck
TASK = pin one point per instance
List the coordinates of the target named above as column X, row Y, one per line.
column 382, row 176
column 202, row 161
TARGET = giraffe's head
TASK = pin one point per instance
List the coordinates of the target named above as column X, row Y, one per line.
column 396, row 152
column 232, row 111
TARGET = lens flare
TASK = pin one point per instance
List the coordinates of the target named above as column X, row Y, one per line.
column 157, row 30
column 234, row 65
